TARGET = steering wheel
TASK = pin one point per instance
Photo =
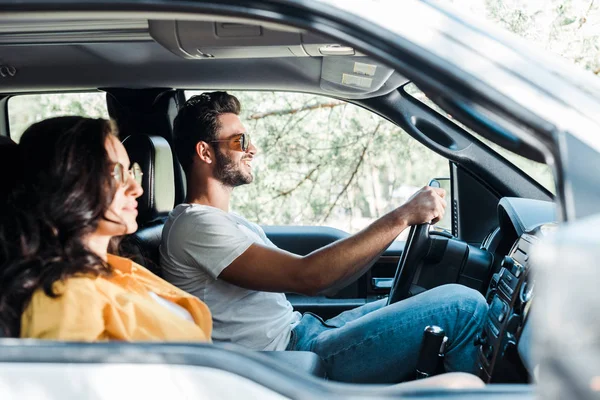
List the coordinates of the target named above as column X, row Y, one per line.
column 415, row 250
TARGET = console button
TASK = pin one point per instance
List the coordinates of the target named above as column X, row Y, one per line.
column 518, row 270
column 488, row 351
column 502, row 313
column 506, row 288
column 508, row 263
column 493, row 330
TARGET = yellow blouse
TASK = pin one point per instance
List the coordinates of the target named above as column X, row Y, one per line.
column 115, row 308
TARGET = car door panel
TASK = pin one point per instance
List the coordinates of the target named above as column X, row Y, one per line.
column 302, row 240
column 371, row 286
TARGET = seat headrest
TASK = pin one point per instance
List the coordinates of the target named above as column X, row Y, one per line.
column 152, row 113
column 6, row 141
column 9, row 162
column 154, row 156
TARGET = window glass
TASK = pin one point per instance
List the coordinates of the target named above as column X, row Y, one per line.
column 24, row 110
column 539, row 172
column 326, row 162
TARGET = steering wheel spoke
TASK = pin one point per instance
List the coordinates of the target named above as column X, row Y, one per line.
column 415, row 250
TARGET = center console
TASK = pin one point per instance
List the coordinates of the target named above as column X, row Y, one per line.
column 508, row 297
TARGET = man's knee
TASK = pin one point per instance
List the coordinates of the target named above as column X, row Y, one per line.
column 467, row 300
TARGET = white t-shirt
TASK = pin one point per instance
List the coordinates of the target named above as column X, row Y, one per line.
column 198, row 243
column 173, row 307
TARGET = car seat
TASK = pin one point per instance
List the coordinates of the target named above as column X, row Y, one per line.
column 154, row 156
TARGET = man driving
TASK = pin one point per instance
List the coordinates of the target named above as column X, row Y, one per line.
column 230, row 264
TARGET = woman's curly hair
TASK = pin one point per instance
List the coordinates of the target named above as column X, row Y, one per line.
column 63, row 190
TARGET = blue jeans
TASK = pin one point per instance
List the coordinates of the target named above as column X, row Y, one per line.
column 378, row 344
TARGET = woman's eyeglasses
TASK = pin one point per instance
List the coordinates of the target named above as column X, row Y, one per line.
column 120, row 173
column 243, row 139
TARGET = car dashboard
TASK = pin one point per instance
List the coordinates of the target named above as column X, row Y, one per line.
column 522, row 223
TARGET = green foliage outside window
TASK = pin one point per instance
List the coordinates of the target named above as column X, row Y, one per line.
column 27, row 109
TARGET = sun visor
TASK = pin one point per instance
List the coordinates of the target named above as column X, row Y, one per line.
column 353, row 75
column 218, row 40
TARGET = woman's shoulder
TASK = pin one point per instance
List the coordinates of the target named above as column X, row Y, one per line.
column 75, row 284
column 75, row 290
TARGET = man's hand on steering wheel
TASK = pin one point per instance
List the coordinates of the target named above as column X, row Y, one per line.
column 428, row 205
column 424, row 207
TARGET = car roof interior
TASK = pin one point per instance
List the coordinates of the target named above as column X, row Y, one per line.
column 51, row 55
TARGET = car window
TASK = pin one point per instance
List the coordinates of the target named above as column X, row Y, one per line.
column 24, row 110
column 539, row 172
column 325, row 162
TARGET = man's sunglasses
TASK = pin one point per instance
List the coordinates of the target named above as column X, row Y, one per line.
column 120, row 173
column 242, row 138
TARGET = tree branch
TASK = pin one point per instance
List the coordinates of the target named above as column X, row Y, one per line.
column 288, row 111
column 290, row 191
column 354, row 172
column 283, row 130
column 583, row 19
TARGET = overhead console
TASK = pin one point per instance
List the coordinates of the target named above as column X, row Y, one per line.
column 218, row 39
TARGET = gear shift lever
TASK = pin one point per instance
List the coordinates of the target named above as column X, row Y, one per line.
column 431, row 351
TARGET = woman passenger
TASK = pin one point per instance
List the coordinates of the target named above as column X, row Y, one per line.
column 59, row 275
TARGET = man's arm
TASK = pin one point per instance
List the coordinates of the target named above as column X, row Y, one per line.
column 338, row 264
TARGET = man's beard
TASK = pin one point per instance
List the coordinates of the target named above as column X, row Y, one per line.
column 229, row 173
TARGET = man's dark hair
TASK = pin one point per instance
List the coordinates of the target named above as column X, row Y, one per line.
column 198, row 121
